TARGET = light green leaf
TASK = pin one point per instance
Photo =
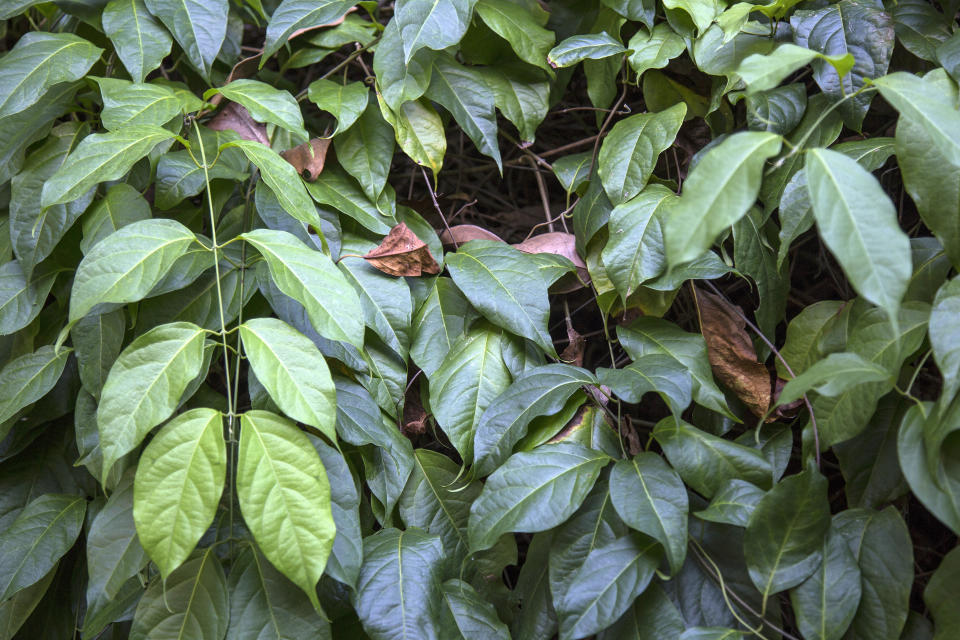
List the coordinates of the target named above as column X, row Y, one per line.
column 21, row 299
column 179, row 482
column 345, row 102
column 650, row 497
column 293, row 371
column 145, row 385
column 365, row 150
column 832, row 376
column 435, row 24
column 495, row 278
column 335, row 188
column 656, row 372
column 128, row 104
column 471, row 376
column 732, row 504
column 463, row 92
column 121, row 206
column 654, row 49
column 284, row 496
column 706, row 462
column 283, row 179
column 858, row 223
column 126, row 265
column 98, row 158
column 266, row 104
column 591, row 46
column 536, row 392
column 34, row 542
column 516, row 24
column 37, row 62
column 630, row 151
column 520, row 495
column 398, row 595
column 701, row 12
column 784, row 540
column 293, row 15
column 190, row 603
column 945, row 337
column 114, row 553
column 419, row 132
column 310, row 277
column 717, row 193
column 28, row 378
column 140, row 42
column 199, row 27
column 761, row 72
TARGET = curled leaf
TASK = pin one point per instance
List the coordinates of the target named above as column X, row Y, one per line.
column 402, row 253
column 561, row 244
column 463, row 233
column 732, row 356
column 308, row 158
column 234, row 117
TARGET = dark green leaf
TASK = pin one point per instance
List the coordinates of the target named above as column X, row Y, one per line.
column 114, row 552
column 28, row 378
column 733, row 504
column 128, row 104
column 293, row 15
column 939, row 595
column 435, row 24
column 655, row 372
column 141, row 43
column 473, row 616
column 198, row 26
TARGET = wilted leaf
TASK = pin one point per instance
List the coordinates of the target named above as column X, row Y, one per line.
column 234, row 117
column 308, row 158
column 402, row 253
column 463, row 233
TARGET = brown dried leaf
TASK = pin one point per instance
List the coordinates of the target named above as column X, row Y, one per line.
column 573, row 353
column 785, row 411
column 308, row 158
column 234, row 117
column 561, row 244
column 414, row 420
column 732, row 356
column 402, row 253
column 463, row 233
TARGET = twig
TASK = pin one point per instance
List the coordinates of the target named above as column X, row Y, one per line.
column 436, row 205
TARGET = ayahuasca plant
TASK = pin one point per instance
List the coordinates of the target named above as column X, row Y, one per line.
column 479, row 318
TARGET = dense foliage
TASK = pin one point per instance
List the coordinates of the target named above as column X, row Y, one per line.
column 479, row 318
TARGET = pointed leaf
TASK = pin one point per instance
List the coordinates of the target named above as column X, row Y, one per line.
column 199, row 27
column 114, row 552
column 294, row 15
column 140, row 41
column 473, row 616
column 516, row 24
column 338, row 190
column 345, row 102
column 28, row 378
column 267, row 104
column 419, row 132
column 435, row 24
column 365, row 150
column 593, row 46
column 654, row 49
column 733, row 504
column 437, row 324
column 129, row 104
column 945, row 336
column 21, row 299
column 656, row 372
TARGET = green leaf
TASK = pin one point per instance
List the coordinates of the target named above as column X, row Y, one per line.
column 114, row 553
column 365, row 150
column 126, row 265
column 336, row 189
column 469, row 378
column 145, row 385
column 826, row 602
column 311, row 278
column 198, row 26
column 42, row 533
column 706, row 462
column 419, row 132
column 630, row 151
column 539, row 391
column 519, row 496
column 858, row 223
column 777, row 110
column 98, row 158
column 654, row 49
column 655, row 372
column 282, row 179
column 939, row 595
column 398, row 594
column 190, row 602
column 650, row 497
column 945, row 337
column 284, row 496
column 347, row 553
column 857, row 27
column 21, row 299
column 516, row 24
column 652, row 615
column 128, row 104
column 97, row 341
column 923, row 104
column 880, row 542
column 179, row 482
column 139, row 40
column 435, row 24
column 920, row 28
column 472, row 616
column 17, row 610
column 710, row 633
column 701, row 12
column 293, row 15
column 37, row 62
column 293, row 371
column 19, row 131
column 761, row 72
column 266, row 104
column 784, row 540
column 345, row 102
column 939, row 493
column 733, row 503
column 717, row 193
column 437, row 325
column 463, row 93
column 495, row 278
column 121, row 206
column 592, row 46
column 832, row 376
column 265, row 605
column 537, row 618
column 28, row 378
column 399, row 81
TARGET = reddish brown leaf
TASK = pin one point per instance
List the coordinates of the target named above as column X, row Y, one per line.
column 414, row 415
column 402, row 253
column 308, row 158
column 463, row 233
column 573, row 353
column 561, row 244
column 234, row 117
column 786, row 411
column 732, row 356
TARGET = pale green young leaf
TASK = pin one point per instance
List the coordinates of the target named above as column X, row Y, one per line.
column 140, row 41
column 178, row 485
column 38, row 61
column 129, row 104
column 575, row 49
column 832, row 376
column 293, row 371
column 145, row 385
column 419, row 132
column 858, row 223
column 516, row 24
column 761, row 72
column 28, row 378
column 267, row 104
column 345, row 102
column 101, row 157
column 434, row 24
column 198, row 26
column 400, row 81
column 701, row 12
column 922, row 103
column 519, row 496
column 284, row 496
column 293, row 15
column 717, row 193
column 630, row 151
column 654, row 49
column 126, row 265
